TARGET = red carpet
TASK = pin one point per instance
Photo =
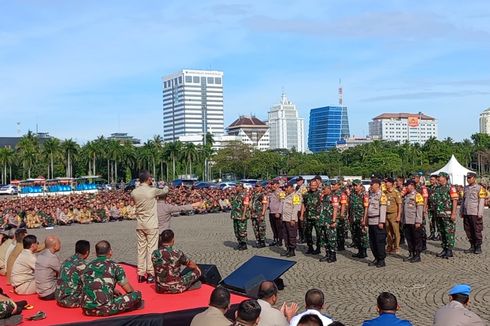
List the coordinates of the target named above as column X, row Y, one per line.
column 154, row 302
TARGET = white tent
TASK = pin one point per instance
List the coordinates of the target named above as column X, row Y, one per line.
column 457, row 172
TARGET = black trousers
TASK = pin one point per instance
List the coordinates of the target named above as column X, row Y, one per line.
column 301, row 228
column 473, row 226
column 415, row 237
column 377, row 242
column 290, row 234
column 276, row 226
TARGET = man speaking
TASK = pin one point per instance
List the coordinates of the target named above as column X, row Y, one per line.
column 147, row 224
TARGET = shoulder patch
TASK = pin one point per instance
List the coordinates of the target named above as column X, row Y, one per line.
column 296, row 199
column 482, row 193
column 419, row 199
column 383, row 200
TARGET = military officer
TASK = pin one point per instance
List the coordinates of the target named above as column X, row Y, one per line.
column 99, row 295
column 240, row 211
column 301, row 189
column 393, row 216
column 446, row 202
column 169, row 262
column 258, row 208
column 291, row 205
column 341, row 224
column 310, row 214
column 431, row 209
column 69, row 284
column 472, row 212
column 328, row 223
column 413, row 211
column 358, row 199
column 375, row 219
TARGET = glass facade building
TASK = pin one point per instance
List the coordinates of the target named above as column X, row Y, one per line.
column 329, row 126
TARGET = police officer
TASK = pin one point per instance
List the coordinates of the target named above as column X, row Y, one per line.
column 393, row 216
column 301, row 189
column 240, row 211
column 275, row 209
column 310, row 214
column 472, row 212
column 291, row 206
column 446, row 202
column 341, row 222
column 259, row 207
column 431, row 209
column 328, row 223
column 358, row 201
column 422, row 189
column 413, row 211
column 375, row 219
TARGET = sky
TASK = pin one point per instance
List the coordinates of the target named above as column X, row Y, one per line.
column 80, row 69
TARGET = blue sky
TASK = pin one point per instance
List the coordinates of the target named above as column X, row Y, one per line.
column 86, row 68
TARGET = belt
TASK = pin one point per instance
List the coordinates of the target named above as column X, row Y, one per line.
column 376, row 216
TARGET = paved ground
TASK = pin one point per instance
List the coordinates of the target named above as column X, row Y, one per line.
column 351, row 286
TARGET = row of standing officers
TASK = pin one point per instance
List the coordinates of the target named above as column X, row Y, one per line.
column 389, row 213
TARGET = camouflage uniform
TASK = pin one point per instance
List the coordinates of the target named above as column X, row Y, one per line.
column 431, row 213
column 356, row 215
column 68, row 291
column 239, row 203
column 6, row 309
column 47, row 219
column 341, row 220
column 444, row 196
column 259, row 199
column 313, row 207
column 168, row 262
column 328, row 233
column 101, row 214
column 99, row 282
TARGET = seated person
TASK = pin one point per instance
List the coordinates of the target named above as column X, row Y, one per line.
column 99, row 294
column 7, row 242
column 85, row 216
column 32, row 220
column 14, row 251
column 314, row 303
column 22, row 277
column 47, row 268
column 168, row 261
column 248, row 313
column 69, row 284
column 215, row 314
column 387, row 307
column 9, row 310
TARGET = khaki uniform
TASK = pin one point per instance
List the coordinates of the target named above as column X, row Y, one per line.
column 147, row 224
column 22, row 278
column 291, row 205
column 376, row 214
column 33, row 221
column 3, row 255
column 455, row 313
column 393, row 200
column 472, row 212
column 413, row 211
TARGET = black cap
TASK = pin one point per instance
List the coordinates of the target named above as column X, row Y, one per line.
column 390, row 180
column 471, row 174
column 373, row 181
column 410, row 182
column 300, row 178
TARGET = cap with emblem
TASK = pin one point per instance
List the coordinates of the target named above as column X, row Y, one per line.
column 410, row 182
column 444, row 174
column 471, row 175
column 300, row 179
column 460, row 289
column 356, row 182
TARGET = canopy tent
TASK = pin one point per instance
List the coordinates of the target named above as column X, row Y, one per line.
column 457, row 172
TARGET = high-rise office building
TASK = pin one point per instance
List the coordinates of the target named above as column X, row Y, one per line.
column 251, row 131
column 402, row 127
column 328, row 126
column 192, row 105
column 287, row 130
column 485, row 122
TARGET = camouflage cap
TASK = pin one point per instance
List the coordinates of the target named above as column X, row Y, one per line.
column 443, row 174
column 356, row 182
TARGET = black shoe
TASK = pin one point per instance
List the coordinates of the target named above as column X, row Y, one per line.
column 442, row 253
column 332, row 258
column 141, row 279
column 279, row 243
column 373, row 263
column 478, row 249
column 273, row 243
column 291, row 253
column 310, row 250
column 326, row 257
column 449, row 253
column 360, row 254
column 471, row 250
column 416, row 258
column 317, row 251
column 150, row 279
column 341, row 246
column 260, row 244
column 410, row 257
column 381, row 263
column 243, row 246
column 286, row 253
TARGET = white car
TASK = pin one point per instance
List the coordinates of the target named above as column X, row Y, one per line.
column 227, row 184
column 8, row 190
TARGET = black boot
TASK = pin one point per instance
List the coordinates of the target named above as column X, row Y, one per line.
column 358, row 255
column 410, row 256
column 332, row 258
column 310, row 250
column 326, row 257
column 416, row 258
column 279, row 243
column 449, row 253
column 273, row 243
column 291, row 253
column 341, row 245
column 442, row 253
column 374, row 262
column 471, row 250
column 317, row 251
column 285, row 253
column 243, row 246
column 381, row 263
column 478, row 249
column 261, row 244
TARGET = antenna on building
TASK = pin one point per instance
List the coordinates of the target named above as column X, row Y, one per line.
column 341, row 95
column 18, row 128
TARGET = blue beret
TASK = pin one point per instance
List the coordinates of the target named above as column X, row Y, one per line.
column 460, row 289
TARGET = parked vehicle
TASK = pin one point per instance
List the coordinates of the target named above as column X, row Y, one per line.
column 226, row 185
column 204, row 185
column 183, row 182
column 9, row 190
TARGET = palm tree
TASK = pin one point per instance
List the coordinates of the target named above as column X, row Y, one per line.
column 28, row 148
column 173, row 150
column 158, row 143
column 51, row 150
column 190, row 153
column 6, row 159
column 70, row 149
column 116, row 152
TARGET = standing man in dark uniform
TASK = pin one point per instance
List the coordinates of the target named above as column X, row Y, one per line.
column 375, row 219
column 341, row 221
column 446, row 205
column 301, row 190
column 431, row 209
column 239, row 212
column 472, row 212
column 358, row 201
column 328, row 224
column 258, row 209
column 413, row 211
column 275, row 210
column 310, row 213
column 422, row 189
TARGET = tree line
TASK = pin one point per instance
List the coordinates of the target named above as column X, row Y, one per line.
column 120, row 161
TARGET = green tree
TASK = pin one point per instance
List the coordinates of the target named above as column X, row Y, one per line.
column 70, row 149
column 6, row 159
column 51, row 150
column 28, row 150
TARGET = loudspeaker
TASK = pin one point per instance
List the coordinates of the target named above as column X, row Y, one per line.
column 247, row 278
column 210, row 274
